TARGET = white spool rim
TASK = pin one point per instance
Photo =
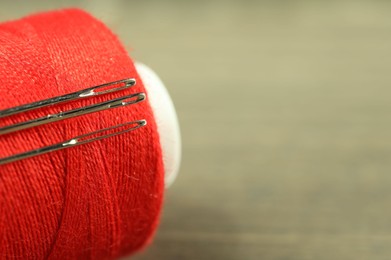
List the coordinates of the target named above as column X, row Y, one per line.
column 166, row 119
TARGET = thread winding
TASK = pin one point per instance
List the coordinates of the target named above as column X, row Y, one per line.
column 97, row 201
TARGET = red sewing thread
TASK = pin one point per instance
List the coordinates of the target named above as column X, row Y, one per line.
column 96, row 201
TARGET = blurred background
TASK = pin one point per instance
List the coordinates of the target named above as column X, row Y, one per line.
column 285, row 115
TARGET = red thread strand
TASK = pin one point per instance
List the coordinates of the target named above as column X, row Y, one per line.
column 97, row 201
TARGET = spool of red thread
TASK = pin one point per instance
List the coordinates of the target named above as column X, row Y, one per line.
column 97, row 201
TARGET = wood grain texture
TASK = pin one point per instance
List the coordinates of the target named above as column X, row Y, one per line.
column 285, row 114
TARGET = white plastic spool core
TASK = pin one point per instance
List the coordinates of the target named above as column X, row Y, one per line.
column 166, row 119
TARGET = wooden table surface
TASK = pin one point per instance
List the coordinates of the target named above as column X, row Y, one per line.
column 285, row 115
